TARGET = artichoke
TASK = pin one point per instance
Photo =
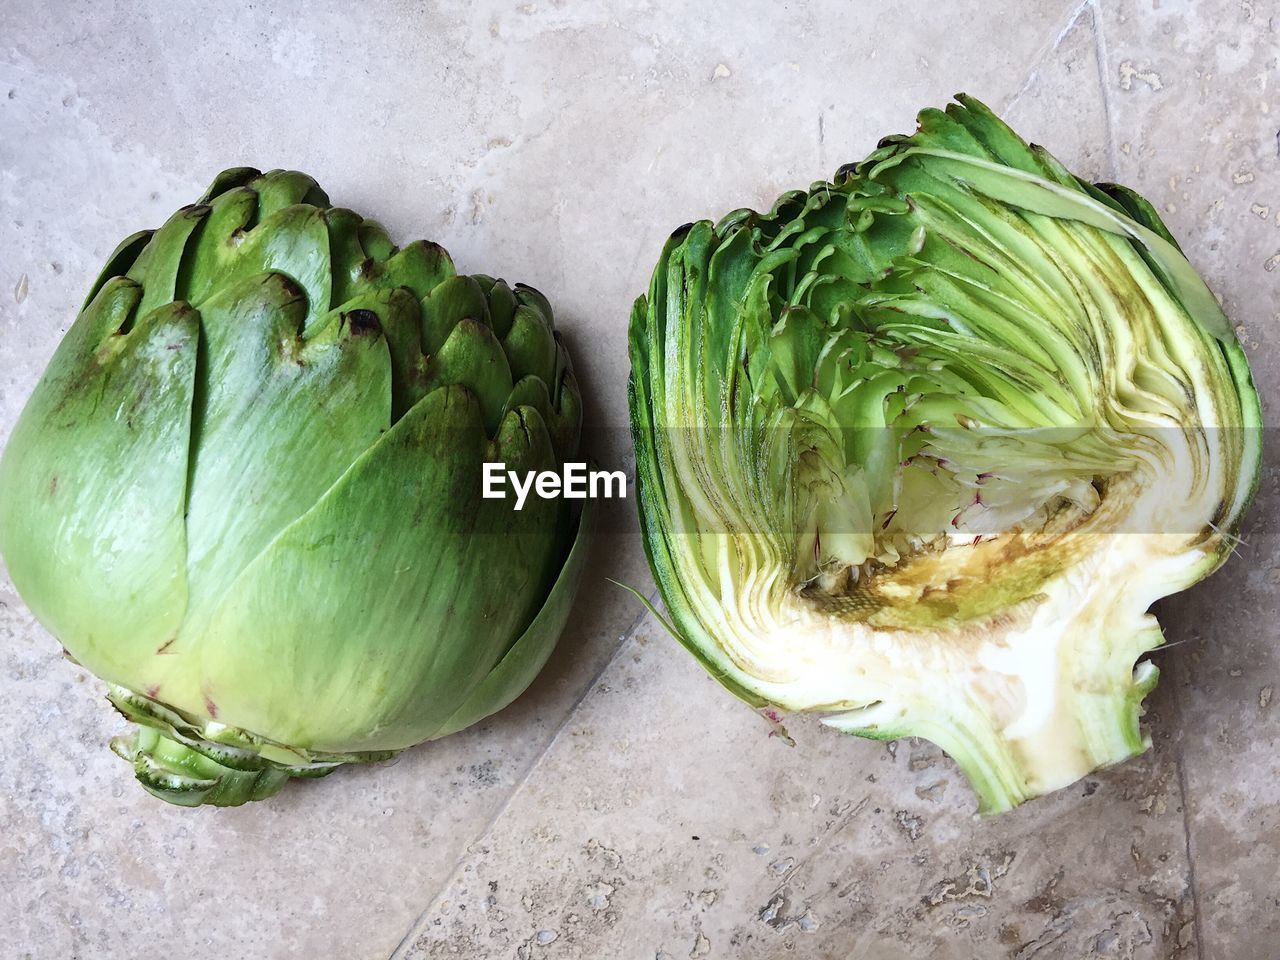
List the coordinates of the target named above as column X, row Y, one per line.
column 918, row 449
column 246, row 492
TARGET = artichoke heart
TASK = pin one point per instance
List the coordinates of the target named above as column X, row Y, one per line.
column 247, row 491
column 919, row 448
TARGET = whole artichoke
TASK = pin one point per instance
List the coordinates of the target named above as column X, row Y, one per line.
column 247, row 491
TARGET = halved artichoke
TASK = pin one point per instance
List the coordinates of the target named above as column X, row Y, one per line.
column 247, row 491
column 919, row 448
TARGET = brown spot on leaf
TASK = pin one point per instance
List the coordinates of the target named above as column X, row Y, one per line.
column 362, row 321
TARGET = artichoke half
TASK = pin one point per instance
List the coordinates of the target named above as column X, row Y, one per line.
column 919, row 448
column 247, row 491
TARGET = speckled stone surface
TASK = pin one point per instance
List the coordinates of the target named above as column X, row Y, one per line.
column 626, row 807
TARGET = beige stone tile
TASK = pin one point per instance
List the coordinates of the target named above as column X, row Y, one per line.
column 665, row 821
column 558, row 144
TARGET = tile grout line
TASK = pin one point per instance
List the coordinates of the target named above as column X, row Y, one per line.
column 1178, row 677
column 1043, row 54
column 407, row 940
column 1101, row 59
column 1189, row 846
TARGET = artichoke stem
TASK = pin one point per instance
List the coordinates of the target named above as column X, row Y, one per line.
column 182, row 775
column 1090, row 726
column 183, row 761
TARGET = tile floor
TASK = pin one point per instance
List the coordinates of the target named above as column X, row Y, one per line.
column 625, row 807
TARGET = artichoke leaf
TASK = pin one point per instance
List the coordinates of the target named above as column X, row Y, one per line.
column 529, row 654
column 385, row 671
column 128, row 395
column 282, row 417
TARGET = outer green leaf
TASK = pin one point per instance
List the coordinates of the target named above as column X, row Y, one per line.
column 282, row 416
column 529, row 654
column 387, row 669
column 127, row 397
